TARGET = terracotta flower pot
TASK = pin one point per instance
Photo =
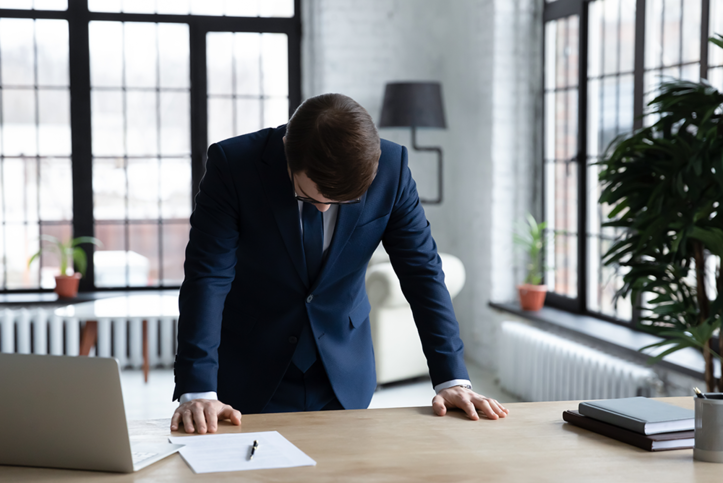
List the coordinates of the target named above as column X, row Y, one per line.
column 67, row 285
column 532, row 297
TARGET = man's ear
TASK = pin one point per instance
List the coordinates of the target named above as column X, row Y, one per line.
column 284, row 139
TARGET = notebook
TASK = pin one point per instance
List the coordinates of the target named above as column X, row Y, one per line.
column 640, row 414
column 656, row 442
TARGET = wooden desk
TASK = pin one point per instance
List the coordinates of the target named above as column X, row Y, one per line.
column 414, row 445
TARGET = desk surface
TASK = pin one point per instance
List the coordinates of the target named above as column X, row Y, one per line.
column 414, row 445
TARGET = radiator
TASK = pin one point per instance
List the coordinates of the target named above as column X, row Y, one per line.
column 40, row 331
column 539, row 366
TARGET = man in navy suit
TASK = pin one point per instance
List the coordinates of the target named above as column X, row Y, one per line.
column 274, row 314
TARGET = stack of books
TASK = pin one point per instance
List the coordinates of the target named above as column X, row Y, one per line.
column 645, row 423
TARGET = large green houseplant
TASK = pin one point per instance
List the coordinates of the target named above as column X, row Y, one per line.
column 665, row 184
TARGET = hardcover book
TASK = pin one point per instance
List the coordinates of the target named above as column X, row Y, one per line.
column 640, row 414
column 656, row 442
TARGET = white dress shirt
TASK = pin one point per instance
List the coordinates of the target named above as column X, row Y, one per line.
column 329, row 217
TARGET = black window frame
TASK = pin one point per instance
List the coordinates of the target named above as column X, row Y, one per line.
column 79, row 17
column 557, row 10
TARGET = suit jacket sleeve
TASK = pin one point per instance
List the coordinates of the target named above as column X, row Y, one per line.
column 413, row 254
column 210, row 268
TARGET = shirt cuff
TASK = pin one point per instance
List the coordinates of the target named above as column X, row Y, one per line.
column 448, row 384
column 197, row 395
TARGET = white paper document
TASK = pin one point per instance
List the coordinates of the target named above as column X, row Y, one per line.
column 212, row 453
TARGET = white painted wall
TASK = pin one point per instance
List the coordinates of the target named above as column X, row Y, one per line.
column 486, row 54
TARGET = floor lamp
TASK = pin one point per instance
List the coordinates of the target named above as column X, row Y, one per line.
column 416, row 104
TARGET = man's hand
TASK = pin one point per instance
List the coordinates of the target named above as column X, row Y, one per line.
column 205, row 413
column 468, row 401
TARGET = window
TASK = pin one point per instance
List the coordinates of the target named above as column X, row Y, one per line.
column 603, row 62
column 106, row 111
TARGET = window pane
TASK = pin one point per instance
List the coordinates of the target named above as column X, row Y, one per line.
column 248, row 116
column 173, row 55
column 19, row 130
column 180, row 7
column 106, row 54
column 48, row 266
column 52, row 46
column 19, row 189
column 140, row 48
column 672, row 17
column 111, row 267
column 54, row 122
column 627, row 36
column 107, row 123
column 691, row 32
column 219, row 62
column 174, row 193
column 550, row 54
column 175, row 238
column 240, row 8
column 653, row 33
column 220, row 119
column 105, row 5
column 109, row 189
column 56, row 194
column 276, row 112
column 207, row 7
column 275, row 8
column 36, row 4
column 21, row 242
column 610, row 38
column 715, row 55
column 51, row 4
column 17, row 51
column 275, row 64
column 142, row 123
column 175, row 123
column 143, row 185
column 247, row 61
column 17, row 4
column 143, row 256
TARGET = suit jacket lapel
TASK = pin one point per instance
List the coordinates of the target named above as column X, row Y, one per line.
column 346, row 221
column 280, row 196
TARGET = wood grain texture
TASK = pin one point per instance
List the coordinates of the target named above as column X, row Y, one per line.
column 413, row 445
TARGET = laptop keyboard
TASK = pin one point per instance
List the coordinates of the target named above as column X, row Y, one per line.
column 139, row 456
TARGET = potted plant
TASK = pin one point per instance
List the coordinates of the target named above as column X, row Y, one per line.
column 530, row 237
column 67, row 285
column 665, row 184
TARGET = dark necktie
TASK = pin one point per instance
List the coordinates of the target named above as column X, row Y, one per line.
column 313, row 223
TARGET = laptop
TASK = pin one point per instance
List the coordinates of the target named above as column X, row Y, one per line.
column 67, row 412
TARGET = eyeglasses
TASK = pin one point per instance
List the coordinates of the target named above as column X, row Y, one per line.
column 312, row 200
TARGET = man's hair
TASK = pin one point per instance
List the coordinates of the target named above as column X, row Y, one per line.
column 333, row 140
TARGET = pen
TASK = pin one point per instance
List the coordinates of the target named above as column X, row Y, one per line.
column 253, row 449
column 698, row 393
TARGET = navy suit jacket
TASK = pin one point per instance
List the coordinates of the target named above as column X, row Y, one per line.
column 246, row 297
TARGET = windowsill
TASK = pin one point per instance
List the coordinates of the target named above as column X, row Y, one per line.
column 51, row 298
column 604, row 334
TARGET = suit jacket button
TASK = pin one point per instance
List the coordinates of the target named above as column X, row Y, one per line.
column 293, row 340
column 309, row 298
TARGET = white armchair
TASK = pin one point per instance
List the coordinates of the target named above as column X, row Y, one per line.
column 397, row 348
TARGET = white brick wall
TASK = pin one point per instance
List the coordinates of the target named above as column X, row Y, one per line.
column 486, row 55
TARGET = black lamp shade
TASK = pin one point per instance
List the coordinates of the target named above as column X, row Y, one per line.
column 413, row 104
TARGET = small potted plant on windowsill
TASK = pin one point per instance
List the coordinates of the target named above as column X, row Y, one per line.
column 530, row 237
column 67, row 285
